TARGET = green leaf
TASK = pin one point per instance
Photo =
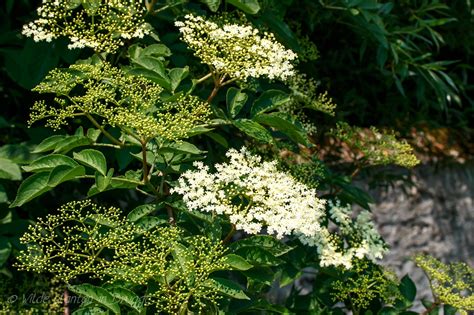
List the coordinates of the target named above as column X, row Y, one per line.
column 70, row 143
column 235, row 101
column 281, row 30
column 5, row 250
column 156, row 50
column 97, row 294
column 88, row 311
column 407, row 288
column 48, row 162
column 9, row 170
column 177, row 75
column 218, row 138
column 284, row 123
column 128, row 298
column 156, row 76
column 30, row 188
column 63, row 173
column 149, row 223
column 102, row 182
column 213, row 5
column 449, row 310
column 388, row 310
column 266, row 242
column 115, row 183
column 253, row 129
column 3, row 195
column 183, row 256
column 181, row 147
column 236, row 262
column 258, row 256
column 226, row 287
column 269, row 100
column 92, row 158
column 248, row 6
column 48, row 144
column 143, row 210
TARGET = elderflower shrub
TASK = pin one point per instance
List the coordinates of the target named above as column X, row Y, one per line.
column 232, row 46
column 85, row 239
column 452, row 284
column 103, row 26
column 256, row 195
column 376, row 148
column 128, row 101
column 364, row 283
column 305, row 96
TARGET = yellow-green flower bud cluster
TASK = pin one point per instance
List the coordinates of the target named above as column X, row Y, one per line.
column 365, row 282
column 122, row 100
column 452, row 284
column 305, row 96
column 234, row 47
column 376, row 147
column 84, row 239
column 255, row 194
column 103, row 25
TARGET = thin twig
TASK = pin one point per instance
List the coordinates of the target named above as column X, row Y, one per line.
column 105, row 132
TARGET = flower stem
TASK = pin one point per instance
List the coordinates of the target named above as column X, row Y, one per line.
column 204, row 78
column 105, row 132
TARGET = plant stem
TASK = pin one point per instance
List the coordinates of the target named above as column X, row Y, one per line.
column 149, row 5
column 229, row 235
column 204, row 78
column 213, row 93
column 105, row 132
column 169, row 210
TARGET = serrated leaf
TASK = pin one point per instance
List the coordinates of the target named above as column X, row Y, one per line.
column 283, row 123
column 253, row 129
column 63, row 173
column 226, row 287
column 248, row 6
column 157, row 50
column 236, row 262
column 266, row 242
column 181, row 147
column 5, row 250
column 93, row 310
column 258, row 256
column 92, row 158
column 235, row 100
column 48, row 162
column 48, row 144
column 9, row 170
column 143, row 210
column 213, row 5
column 30, row 188
column 128, row 298
column 93, row 134
column 149, row 223
column 407, row 288
column 99, row 295
column 269, row 100
column 176, row 76
column 70, row 143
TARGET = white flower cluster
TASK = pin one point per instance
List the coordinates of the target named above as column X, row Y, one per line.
column 360, row 235
column 103, row 25
column 235, row 48
column 255, row 194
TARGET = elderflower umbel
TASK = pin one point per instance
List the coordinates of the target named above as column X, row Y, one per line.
column 234, row 47
column 255, row 194
column 101, row 25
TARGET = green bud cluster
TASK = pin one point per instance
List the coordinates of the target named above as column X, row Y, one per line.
column 452, row 284
column 101, row 25
column 130, row 102
column 305, row 96
column 376, row 147
column 364, row 283
column 84, row 239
